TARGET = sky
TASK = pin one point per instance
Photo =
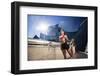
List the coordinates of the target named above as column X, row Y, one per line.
column 40, row 23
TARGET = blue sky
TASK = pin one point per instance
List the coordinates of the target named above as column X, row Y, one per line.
column 39, row 23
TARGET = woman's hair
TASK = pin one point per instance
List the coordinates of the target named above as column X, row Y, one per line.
column 64, row 33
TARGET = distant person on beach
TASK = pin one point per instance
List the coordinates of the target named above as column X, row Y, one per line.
column 64, row 46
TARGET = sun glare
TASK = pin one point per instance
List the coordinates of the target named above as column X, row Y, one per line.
column 42, row 27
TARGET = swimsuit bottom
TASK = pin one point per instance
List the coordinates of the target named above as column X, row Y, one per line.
column 64, row 46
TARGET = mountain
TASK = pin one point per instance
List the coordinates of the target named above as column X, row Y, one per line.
column 36, row 37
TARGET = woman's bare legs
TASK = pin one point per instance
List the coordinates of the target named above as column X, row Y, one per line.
column 70, row 51
column 64, row 53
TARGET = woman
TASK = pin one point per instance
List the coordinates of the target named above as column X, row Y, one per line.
column 64, row 46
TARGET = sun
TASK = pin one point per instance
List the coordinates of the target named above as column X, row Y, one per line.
column 42, row 27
